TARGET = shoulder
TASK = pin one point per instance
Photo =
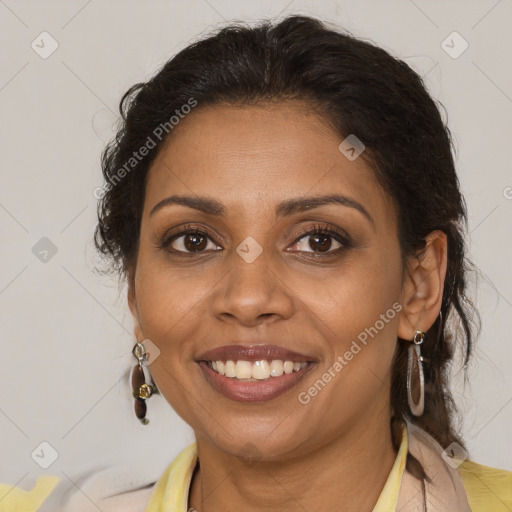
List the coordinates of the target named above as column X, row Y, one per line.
column 486, row 488
column 110, row 490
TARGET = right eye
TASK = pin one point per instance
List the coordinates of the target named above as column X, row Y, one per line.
column 189, row 241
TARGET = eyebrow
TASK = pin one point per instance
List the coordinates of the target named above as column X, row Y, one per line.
column 283, row 209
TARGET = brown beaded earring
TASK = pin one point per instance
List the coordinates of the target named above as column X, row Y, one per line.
column 141, row 390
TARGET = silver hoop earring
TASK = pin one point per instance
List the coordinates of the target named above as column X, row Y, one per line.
column 415, row 377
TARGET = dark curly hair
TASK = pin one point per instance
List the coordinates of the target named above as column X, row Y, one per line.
column 360, row 89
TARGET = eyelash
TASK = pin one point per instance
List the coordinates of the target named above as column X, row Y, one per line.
column 339, row 235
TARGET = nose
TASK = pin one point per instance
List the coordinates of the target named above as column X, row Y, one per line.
column 252, row 293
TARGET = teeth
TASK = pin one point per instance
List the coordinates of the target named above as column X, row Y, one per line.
column 257, row 370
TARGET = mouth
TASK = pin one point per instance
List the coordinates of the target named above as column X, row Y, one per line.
column 253, row 373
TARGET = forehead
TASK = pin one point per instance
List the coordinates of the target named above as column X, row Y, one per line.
column 248, row 156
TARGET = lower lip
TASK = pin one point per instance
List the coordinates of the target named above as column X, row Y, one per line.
column 253, row 391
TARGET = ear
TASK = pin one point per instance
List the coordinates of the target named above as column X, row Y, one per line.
column 422, row 289
column 132, row 304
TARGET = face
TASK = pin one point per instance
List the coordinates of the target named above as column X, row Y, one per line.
column 261, row 273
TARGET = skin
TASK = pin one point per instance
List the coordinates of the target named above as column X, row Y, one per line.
column 335, row 452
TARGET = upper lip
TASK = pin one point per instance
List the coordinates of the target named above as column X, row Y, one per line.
column 252, row 352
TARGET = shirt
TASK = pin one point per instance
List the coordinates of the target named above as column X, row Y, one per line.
column 487, row 489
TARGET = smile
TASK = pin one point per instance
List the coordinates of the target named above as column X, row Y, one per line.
column 253, row 373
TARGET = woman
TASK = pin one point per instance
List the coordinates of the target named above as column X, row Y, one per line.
column 283, row 203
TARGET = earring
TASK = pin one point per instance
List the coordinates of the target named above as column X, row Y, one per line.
column 141, row 390
column 415, row 366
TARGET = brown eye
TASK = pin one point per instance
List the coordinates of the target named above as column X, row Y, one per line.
column 321, row 241
column 318, row 242
column 189, row 241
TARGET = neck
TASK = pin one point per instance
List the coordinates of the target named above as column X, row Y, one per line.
column 347, row 473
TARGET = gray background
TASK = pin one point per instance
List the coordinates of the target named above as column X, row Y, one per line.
column 66, row 330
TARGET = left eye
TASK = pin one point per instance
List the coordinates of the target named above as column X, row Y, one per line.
column 319, row 242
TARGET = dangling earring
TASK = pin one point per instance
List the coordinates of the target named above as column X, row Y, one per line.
column 415, row 366
column 141, row 390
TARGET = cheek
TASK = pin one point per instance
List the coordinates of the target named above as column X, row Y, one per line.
column 358, row 298
column 169, row 297
column 359, row 310
column 168, row 312
column 167, row 307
